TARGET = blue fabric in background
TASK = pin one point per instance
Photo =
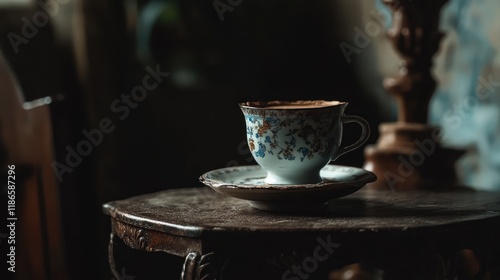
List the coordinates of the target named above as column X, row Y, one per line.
column 466, row 103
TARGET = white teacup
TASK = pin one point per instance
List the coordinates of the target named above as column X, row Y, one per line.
column 294, row 140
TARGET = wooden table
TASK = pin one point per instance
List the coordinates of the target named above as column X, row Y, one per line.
column 384, row 235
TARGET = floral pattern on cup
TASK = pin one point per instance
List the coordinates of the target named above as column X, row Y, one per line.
column 304, row 139
column 294, row 140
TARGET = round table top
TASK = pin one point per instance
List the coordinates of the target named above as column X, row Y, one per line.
column 193, row 211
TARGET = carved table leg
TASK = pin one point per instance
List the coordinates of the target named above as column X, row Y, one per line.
column 111, row 256
column 196, row 267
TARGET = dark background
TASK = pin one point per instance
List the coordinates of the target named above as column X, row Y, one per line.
column 189, row 124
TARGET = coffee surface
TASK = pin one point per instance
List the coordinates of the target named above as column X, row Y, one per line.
column 301, row 104
column 295, row 106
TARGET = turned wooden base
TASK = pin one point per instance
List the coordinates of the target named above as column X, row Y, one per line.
column 409, row 156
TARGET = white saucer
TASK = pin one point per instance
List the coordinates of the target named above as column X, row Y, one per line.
column 247, row 183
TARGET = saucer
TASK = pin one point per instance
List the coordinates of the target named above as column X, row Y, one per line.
column 247, row 183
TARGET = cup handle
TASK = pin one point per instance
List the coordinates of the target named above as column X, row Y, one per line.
column 365, row 133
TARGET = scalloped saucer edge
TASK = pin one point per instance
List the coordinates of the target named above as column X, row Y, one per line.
column 247, row 183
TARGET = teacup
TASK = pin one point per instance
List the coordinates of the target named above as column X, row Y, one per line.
column 294, row 140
